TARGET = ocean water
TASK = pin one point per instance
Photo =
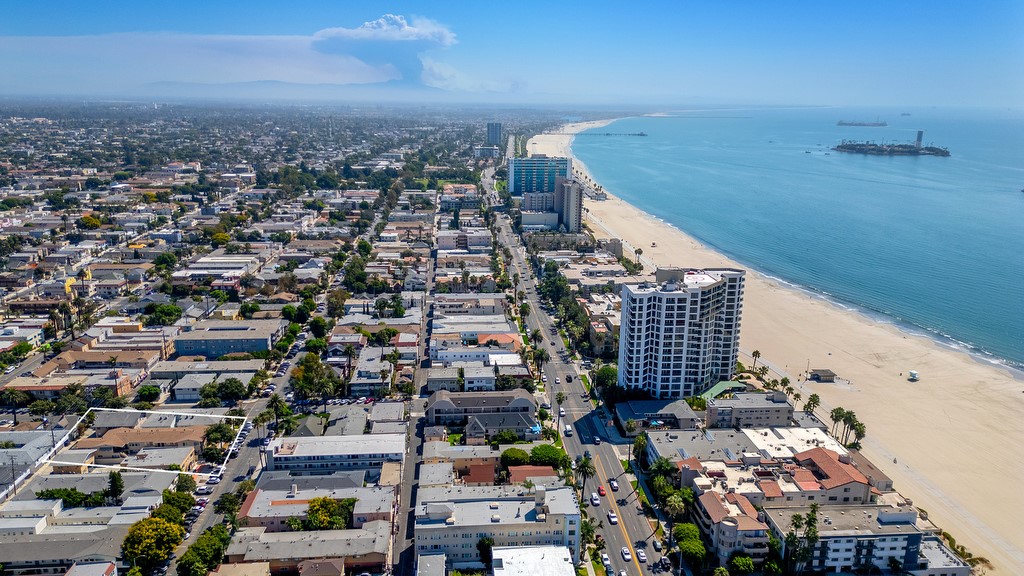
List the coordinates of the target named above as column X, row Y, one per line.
column 935, row 245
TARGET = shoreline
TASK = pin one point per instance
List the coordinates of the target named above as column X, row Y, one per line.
column 940, row 461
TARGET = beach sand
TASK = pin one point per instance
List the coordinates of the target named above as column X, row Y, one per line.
column 950, row 442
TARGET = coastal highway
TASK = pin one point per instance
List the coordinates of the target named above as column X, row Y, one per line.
column 633, row 530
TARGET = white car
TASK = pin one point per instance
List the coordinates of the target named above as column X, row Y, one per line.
column 595, row 500
column 606, row 560
column 614, row 485
column 612, row 518
column 641, row 556
column 626, row 555
column 213, row 480
column 561, row 411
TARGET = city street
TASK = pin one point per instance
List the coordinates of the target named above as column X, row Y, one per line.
column 633, row 530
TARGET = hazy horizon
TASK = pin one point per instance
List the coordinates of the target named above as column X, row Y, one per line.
column 870, row 54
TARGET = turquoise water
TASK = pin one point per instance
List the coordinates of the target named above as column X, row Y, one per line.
column 935, row 245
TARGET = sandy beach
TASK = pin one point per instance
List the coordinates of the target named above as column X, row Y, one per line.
column 949, row 441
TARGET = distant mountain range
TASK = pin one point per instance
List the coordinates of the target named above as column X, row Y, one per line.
column 276, row 90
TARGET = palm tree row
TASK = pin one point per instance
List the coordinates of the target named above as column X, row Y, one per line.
column 849, row 425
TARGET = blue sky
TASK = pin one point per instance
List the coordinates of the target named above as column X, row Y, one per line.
column 852, row 53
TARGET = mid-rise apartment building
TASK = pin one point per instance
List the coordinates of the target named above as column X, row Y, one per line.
column 537, row 173
column 680, row 335
column 453, row 523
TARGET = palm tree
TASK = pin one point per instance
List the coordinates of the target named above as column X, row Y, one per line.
column 350, row 353
column 674, row 507
column 796, row 398
column 536, row 336
column 262, row 419
column 585, row 470
column 638, row 252
column 813, row 401
column 630, row 426
column 540, row 356
column 639, row 446
column 14, row 398
column 756, row 355
column 324, row 387
column 836, row 415
column 859, row 431
column 383, row 381
column 849, row 419
column 663, row 467
column 279, row 407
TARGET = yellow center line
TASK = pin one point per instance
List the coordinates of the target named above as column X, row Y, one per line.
column 621, row 524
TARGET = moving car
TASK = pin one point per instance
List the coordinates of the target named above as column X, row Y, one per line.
column 595, row 500
column 641, row 556
column 626, row 555
column 600, row 490
column 614, row 485
column 612, row 518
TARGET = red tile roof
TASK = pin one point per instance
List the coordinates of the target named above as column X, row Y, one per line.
column 834, row 472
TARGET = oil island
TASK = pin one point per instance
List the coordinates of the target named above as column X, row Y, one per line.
column 873, row 149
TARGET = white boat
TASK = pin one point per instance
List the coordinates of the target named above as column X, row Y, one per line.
column 914, row 376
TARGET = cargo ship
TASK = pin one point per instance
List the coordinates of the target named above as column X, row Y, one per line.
column 875, row 124
column 872, row 149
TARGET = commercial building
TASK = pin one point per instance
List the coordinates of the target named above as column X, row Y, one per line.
column 537, row 173
column 325, row 454
column 680, row 335
column 452, row 521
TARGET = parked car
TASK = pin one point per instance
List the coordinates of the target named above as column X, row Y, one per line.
column 641, row 556
column 606, row 560
column 657, row 545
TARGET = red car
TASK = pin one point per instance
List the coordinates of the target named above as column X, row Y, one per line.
column 600, row 490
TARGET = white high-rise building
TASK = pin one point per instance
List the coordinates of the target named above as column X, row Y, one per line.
column 680, row 335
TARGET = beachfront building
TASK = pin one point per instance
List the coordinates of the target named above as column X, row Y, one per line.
column 537, row 173
column 866, row 538
column 680, row 335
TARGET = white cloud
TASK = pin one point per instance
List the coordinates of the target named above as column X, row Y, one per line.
column 392, row 27
column 387, row 49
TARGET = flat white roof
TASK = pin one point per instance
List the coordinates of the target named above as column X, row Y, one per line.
column 292, row 447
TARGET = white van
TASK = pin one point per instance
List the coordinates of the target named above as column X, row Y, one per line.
column 568, row 430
